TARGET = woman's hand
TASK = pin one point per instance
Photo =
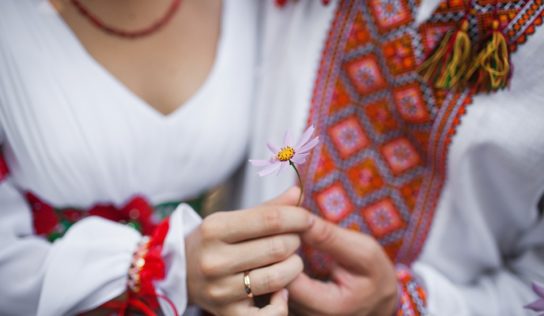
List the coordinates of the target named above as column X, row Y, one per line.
column 262, row 240
column 363, row 281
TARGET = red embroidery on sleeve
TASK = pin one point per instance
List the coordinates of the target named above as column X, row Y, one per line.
column 412, row 295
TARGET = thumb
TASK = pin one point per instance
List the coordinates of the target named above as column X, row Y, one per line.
column 312, row 294
column 348, row 248
column 289, row 197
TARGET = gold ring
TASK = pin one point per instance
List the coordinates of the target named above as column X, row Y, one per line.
column 247, row 284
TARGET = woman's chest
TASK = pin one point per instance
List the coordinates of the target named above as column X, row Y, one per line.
column 164, row 67
column 74, row 135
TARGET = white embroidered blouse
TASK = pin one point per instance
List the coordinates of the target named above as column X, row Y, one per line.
column 486, row 242
column 75, row 136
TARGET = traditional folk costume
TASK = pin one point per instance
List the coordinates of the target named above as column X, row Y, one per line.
column 429, row 142
column 77, row 142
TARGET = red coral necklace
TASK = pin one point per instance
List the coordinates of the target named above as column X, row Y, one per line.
column 158, row 24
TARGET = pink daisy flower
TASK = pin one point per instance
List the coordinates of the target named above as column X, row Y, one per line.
column 288, row 154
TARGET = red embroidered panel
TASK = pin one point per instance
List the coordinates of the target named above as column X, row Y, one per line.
column 385, row 133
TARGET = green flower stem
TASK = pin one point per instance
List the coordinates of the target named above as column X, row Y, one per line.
column 299, row 182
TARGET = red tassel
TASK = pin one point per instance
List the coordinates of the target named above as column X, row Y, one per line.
column 130, row 304
column 154, row 268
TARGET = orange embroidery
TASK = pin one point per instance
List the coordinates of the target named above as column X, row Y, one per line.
column 385, row 132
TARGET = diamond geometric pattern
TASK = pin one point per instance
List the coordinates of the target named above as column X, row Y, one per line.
column 365, row 177
column 390, row 13
column 382, row 218
column 334, row 202
column 385, row 133
column 365, row 74
column 400, row 155
column 410, row 104
column 348, row 137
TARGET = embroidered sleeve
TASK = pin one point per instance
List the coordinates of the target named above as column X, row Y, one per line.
column 146, row 268
column 412, row 295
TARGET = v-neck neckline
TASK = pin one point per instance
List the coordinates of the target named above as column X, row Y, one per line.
column 141, row 103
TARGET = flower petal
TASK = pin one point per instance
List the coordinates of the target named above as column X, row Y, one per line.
column 539, row 290
column 270, row 169
column 283, row 164
column 273, row 149
column 308, row 146
column 260, row 162
column 306, row 136
column 287, row 139
column 537, row 306
column 299, row 159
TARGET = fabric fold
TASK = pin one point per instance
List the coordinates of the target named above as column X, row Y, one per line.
column 182, row 222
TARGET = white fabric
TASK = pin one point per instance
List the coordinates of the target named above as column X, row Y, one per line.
column 75, row 136
column 182, row 221
column 486, row 242
column 425, row 10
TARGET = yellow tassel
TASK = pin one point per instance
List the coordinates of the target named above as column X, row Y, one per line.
column 445, row 68
column 491, row 69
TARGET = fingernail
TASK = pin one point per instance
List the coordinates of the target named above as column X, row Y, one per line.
column 285, row 294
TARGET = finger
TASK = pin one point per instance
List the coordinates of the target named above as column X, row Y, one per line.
column 277, row 307
column 258, row 252
column 352, row 250
column 262, row 280
column 289, row 197
column 275, row 277
column 313, row 297
column 278, row 304
column 262, row 221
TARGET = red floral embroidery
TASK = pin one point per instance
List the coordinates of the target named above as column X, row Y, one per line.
column 137, row 209
column 53, row 223
column 44, row 218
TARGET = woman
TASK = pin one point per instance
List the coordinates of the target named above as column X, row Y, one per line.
column 109, row 108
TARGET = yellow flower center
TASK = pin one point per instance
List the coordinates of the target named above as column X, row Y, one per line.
column 286, row 153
